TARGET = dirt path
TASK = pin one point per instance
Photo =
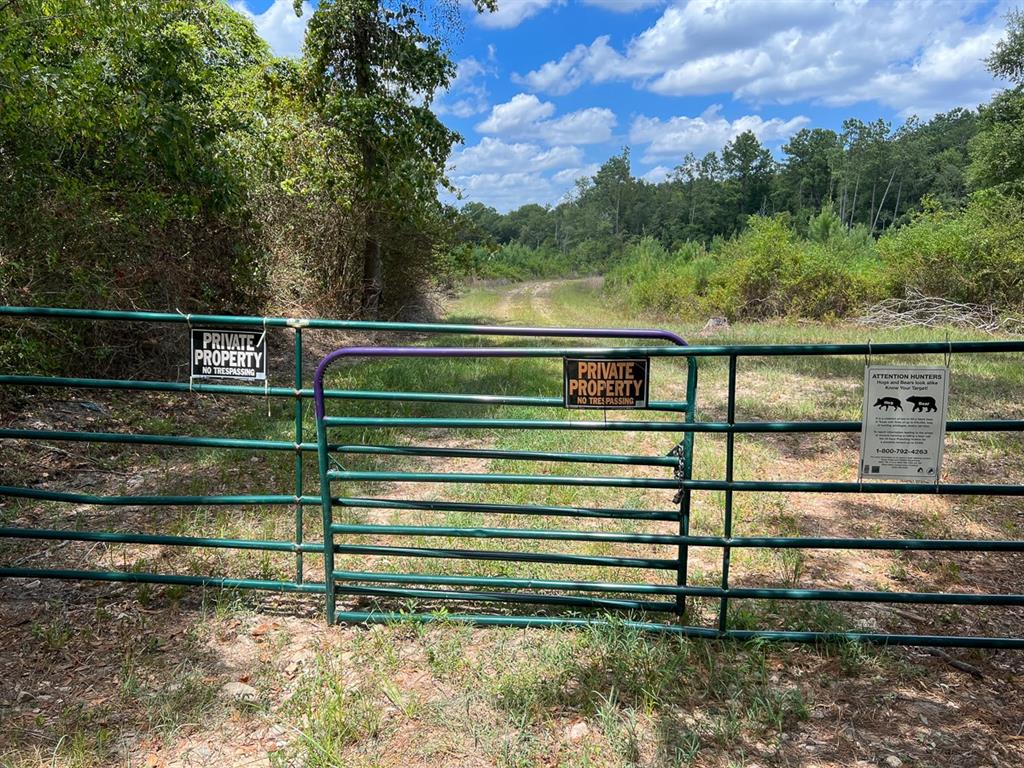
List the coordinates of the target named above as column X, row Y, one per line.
column 535, row 303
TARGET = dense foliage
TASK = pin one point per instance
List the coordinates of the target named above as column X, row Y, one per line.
column 154, row 154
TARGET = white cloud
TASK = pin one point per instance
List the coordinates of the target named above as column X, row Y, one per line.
column 943, row 70
column 492, row 155
column 585, row 126
column 467, row 94
column 657, row 174
column 525, row 116
column 511, row 13
column 506, row 191
column 570, row 175
column 507, row 175
column 518, row 116
column 672, row 138
column 279, row 26
column 596, row 62
column 912, row 55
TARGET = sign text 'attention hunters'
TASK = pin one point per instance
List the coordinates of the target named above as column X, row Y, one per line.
column 606, row 383
column 227, row 354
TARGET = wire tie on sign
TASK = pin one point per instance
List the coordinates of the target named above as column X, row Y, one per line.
column 188, row 319
column 266, row 365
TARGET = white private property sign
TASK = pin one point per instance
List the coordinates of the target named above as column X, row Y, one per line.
column 904, row 426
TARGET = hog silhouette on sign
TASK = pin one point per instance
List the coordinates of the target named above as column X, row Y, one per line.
column 923, row 404
column 888, row 403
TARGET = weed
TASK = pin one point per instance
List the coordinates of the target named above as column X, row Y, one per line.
column 183, row 700
column 55, row 634
column 333, row 711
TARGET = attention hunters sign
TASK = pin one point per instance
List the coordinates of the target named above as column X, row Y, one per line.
column 229, row 354
column 606, row 383
column 904, row 422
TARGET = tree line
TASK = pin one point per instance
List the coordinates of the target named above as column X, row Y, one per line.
column 873, row 177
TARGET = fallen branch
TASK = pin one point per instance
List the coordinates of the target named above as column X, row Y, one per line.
column 963, row 666
column 915, row 310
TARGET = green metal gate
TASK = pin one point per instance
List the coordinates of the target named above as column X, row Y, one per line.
column 656, row 599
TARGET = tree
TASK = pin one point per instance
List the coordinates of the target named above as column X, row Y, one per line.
column 612, row 191
column 374, row 72
column 748, row 167
column 805, row 179
column 997, row 152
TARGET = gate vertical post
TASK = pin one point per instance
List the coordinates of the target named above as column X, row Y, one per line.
column 325, row 495
column 298, row 456
column 730, row 439
column 687, row 473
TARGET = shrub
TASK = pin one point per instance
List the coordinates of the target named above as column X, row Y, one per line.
column 765, row 271
column 974, row 255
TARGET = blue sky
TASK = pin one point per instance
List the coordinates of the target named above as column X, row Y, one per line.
column 548, row 89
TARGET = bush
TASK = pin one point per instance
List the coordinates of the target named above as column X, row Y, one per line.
column 513, row 262
column 763, row 272
column 649, row 277
column 974, row 255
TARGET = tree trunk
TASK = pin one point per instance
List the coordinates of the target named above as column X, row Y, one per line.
column 853, row 205
column 884, row 195
column 373, row 278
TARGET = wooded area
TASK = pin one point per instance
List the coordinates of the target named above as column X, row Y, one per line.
column 155, row 154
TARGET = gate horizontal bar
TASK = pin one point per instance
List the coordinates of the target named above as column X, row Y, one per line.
column 739, row 350
column 751, row 427
column 510, row 597
column 704, row 541
column 515, row 557
column 147, row 439
column 504, row 533
column 752, row 593
column 962, row 489
column 501, row 479
column 132, row 577
column 364, row 325
column 152, row 501
column 510, row 509
column 480, row 453
column 332, row 394
column 956, row 489
column 808, row 542
column 935, row 641
column 433, row 423
column 115, row 537
column 507, row 583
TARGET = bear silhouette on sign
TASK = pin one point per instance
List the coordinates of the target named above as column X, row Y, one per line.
column 923, row 404
column 887, row 403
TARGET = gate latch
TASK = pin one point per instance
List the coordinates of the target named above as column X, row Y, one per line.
column 678, row 471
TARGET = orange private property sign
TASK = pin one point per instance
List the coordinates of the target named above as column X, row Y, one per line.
column 606, row 382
